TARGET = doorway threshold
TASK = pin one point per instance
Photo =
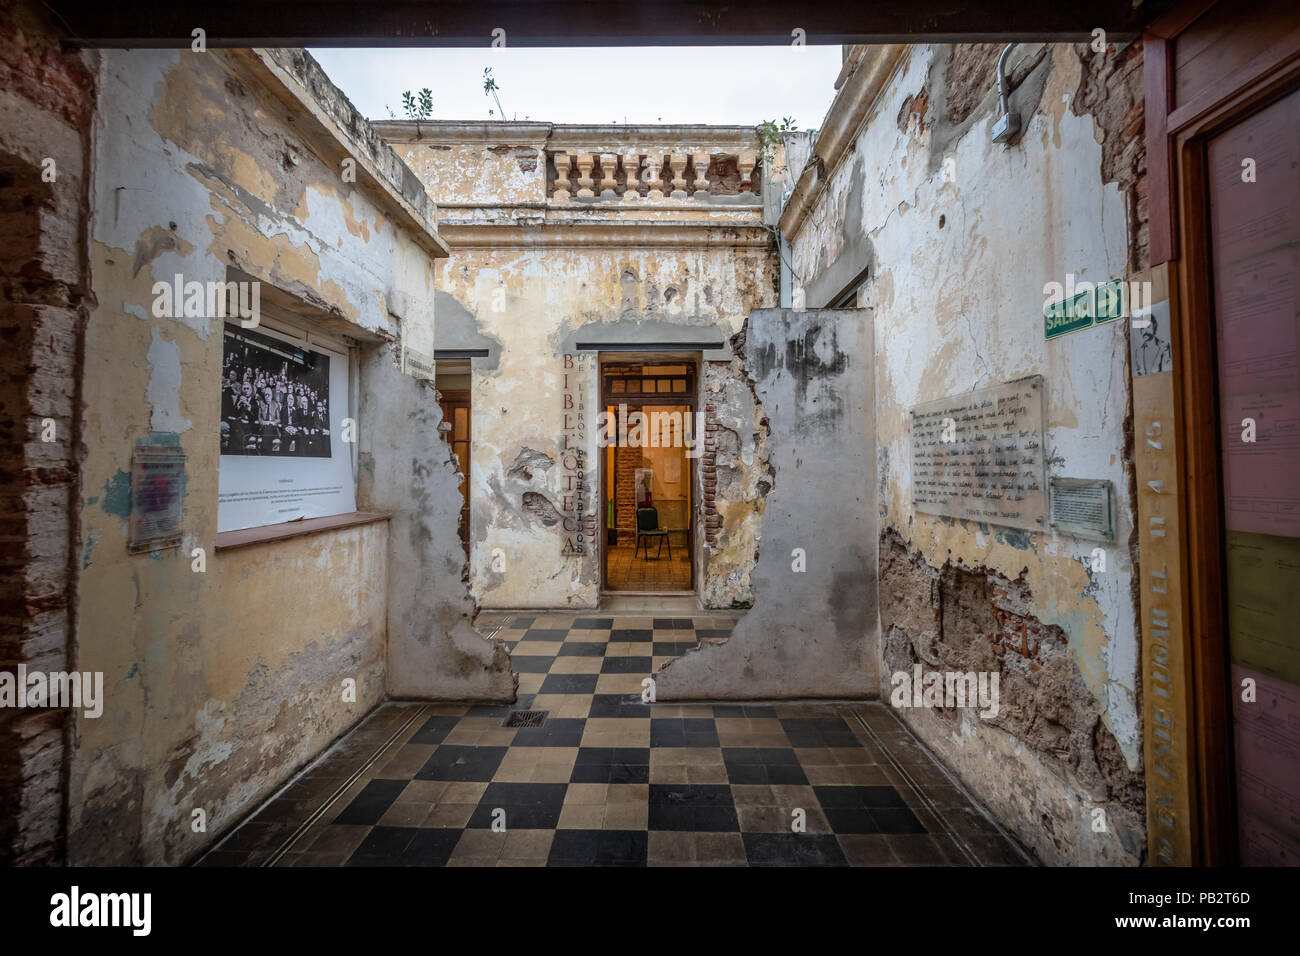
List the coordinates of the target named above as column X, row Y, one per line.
column 652, row 602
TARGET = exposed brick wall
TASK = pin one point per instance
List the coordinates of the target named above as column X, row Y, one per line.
column 626, row 462
column 709, row 477
column 46, row 101
column 1111, row 90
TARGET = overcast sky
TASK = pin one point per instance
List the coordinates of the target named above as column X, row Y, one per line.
column 719, row 85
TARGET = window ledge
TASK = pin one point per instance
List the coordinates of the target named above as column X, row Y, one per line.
column 229, row 540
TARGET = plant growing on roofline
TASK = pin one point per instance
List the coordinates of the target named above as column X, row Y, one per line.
column 420, row 109
column 418, row 106
column 490, row 87
column 769, row 138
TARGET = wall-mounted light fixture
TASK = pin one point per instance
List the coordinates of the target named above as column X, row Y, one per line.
column 1007, row 128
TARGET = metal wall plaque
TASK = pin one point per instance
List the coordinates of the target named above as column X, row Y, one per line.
column 980, row 455
column 417, row 364
column 1083, row 507
column 157, row 489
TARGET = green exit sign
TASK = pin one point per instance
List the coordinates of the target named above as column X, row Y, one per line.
column 1087, row 308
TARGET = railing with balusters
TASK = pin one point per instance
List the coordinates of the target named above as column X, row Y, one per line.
column 650, row 177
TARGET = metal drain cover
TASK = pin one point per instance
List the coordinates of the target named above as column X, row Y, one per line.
column 525, row 718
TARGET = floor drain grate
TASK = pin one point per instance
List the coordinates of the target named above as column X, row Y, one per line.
column 525, row 718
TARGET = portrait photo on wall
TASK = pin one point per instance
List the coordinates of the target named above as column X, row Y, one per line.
column 644, row 478
column 274, row 397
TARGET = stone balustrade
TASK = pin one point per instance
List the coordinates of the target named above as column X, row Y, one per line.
column 619, row 175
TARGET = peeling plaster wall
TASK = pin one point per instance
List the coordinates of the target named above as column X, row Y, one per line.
column 407, row 469
column 506, row 173
column 962, row 235
column 534, row 303
column 219, row 684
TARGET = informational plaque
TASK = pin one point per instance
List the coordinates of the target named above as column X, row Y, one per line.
column 980, row 455
column 157, row 480
column 1083, row 507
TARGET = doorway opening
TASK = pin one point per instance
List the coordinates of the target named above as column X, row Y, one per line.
column 647, row 476
column 452, row 378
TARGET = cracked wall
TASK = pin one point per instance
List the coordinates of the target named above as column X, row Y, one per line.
column 221, row 684
column 963, row 236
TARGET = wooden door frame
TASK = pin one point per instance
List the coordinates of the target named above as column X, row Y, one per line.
column 1177, row 142
column 691, row 401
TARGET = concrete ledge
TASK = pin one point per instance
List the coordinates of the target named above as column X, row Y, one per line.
column 229, row 540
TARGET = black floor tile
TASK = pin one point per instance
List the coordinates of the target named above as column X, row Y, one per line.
column 618, row 705
column 598, row 848
column 545, row 634
column 683, row 732
column 593, row 623
column 475, row 764
column 699, row 808
column 673, row 623
column 431, row 846
column 896, row 820
column 630, row 634
column 766, row 765
column 582, row 649
column 530, row 664
column 612, row 765
column 527, row 806
column 851, row 820
column 522, row 622
column 383, row 846
column 793, row 849
column 867, row 810
column 569, row 684
column 819, row 732
column 555, row 732
column 673, row 648
column 371, row 803
column 434, row 730
column 626, row 665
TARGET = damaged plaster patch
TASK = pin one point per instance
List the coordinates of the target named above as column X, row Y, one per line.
column 527, row 461
column 163, row 392
column 957, row 618
column 540, row 507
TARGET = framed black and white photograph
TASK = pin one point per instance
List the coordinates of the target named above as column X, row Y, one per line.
column 275, row 397
column 285, row 451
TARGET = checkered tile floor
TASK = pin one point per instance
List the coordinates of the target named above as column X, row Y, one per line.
column 609, row 780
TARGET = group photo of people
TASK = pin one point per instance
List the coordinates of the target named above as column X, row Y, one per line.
column 274, row 397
